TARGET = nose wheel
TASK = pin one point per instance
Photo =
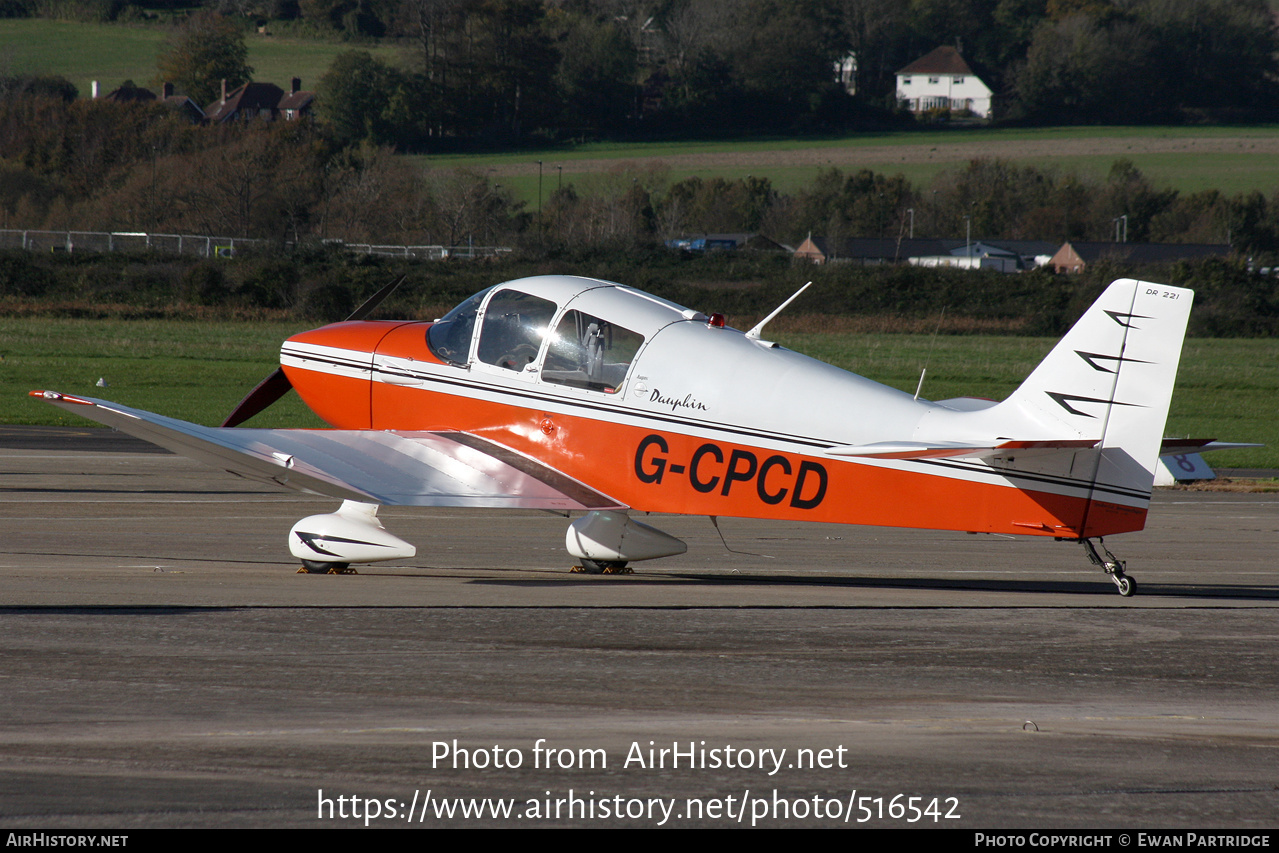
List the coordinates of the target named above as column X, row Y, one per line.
column 1111, row 565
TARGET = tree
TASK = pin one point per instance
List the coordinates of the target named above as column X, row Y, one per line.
column 356, row 17
column 596, row 75
column 1149, row 60
column 787, row 51
column 508, row 64
column 872, row 31
column 863, row 204
column 716, row 205
column 1082, row 70
column 361, row 98
column 203, row 52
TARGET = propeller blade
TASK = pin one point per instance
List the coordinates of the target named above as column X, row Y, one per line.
column 267, row 392
column 277, row 384
column 375, row 300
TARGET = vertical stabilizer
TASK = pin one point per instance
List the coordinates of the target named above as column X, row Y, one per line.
column 1111, row 380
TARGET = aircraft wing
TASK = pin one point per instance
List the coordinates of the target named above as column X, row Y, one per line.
column 394, row 468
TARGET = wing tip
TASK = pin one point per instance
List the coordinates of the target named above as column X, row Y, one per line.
column 58, row 397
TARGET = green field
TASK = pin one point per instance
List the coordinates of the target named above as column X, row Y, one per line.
column 1250, row 163
column 649, row 150
column 113, row 53
column 190, row 370
column 199, row 371
column 1230, row 174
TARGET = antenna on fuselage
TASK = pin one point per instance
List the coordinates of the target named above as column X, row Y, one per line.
column 753, row 334
column 927, row 358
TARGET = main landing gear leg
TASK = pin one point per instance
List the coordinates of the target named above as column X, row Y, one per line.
column 1111, row 565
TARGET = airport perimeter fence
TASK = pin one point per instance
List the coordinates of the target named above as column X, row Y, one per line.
column 212, row 247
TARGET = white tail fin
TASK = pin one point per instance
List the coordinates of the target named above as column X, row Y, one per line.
column 1111, row 379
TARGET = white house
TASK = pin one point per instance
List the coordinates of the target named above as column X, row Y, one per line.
column 942, row 80
column 846, row 73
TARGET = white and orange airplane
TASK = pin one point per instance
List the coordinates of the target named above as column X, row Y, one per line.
column 578, row 395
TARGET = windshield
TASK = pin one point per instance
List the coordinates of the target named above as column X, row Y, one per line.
column 450, row 338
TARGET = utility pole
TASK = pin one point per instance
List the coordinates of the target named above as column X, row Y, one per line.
column 1117, row 220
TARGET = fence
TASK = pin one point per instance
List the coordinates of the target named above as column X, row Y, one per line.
column 211, row 247
column 427, row 253
column 125, row 241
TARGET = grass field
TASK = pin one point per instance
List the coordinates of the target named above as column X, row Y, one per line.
column 923, row 137
column 1189, row 159
column 113, row 53
column 199, row 371
column 190, row 370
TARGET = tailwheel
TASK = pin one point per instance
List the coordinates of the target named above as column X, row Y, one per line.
column 601, row 567
column 1111, row 565
column 318, row 567
column 1127, row 586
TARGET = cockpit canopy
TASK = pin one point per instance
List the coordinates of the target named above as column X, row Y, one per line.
column 563, row 330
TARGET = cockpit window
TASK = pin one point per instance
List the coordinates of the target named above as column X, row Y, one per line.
column 515, row 324
column 450, row 338
column 587, row 352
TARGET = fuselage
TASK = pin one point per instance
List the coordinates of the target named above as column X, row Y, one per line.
column 665, row 410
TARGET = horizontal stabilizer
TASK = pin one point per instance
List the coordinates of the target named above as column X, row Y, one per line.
column 395, row 468
column 1172, row 446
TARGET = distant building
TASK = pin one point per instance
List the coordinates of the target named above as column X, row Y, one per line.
column 297, row 103
column 942, row 80
column 182, row 104
column 1002, row 255
column 1075, row 256
column 846, row 73
column 726, row 242
column 975, row 255
column 265, row 101
column 870, row 250
column 127, row 94
column 131, row 94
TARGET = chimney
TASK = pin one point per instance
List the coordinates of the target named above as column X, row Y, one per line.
column 297, row 85
column 94, row 88
column 168, row 91
column 224, row 90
